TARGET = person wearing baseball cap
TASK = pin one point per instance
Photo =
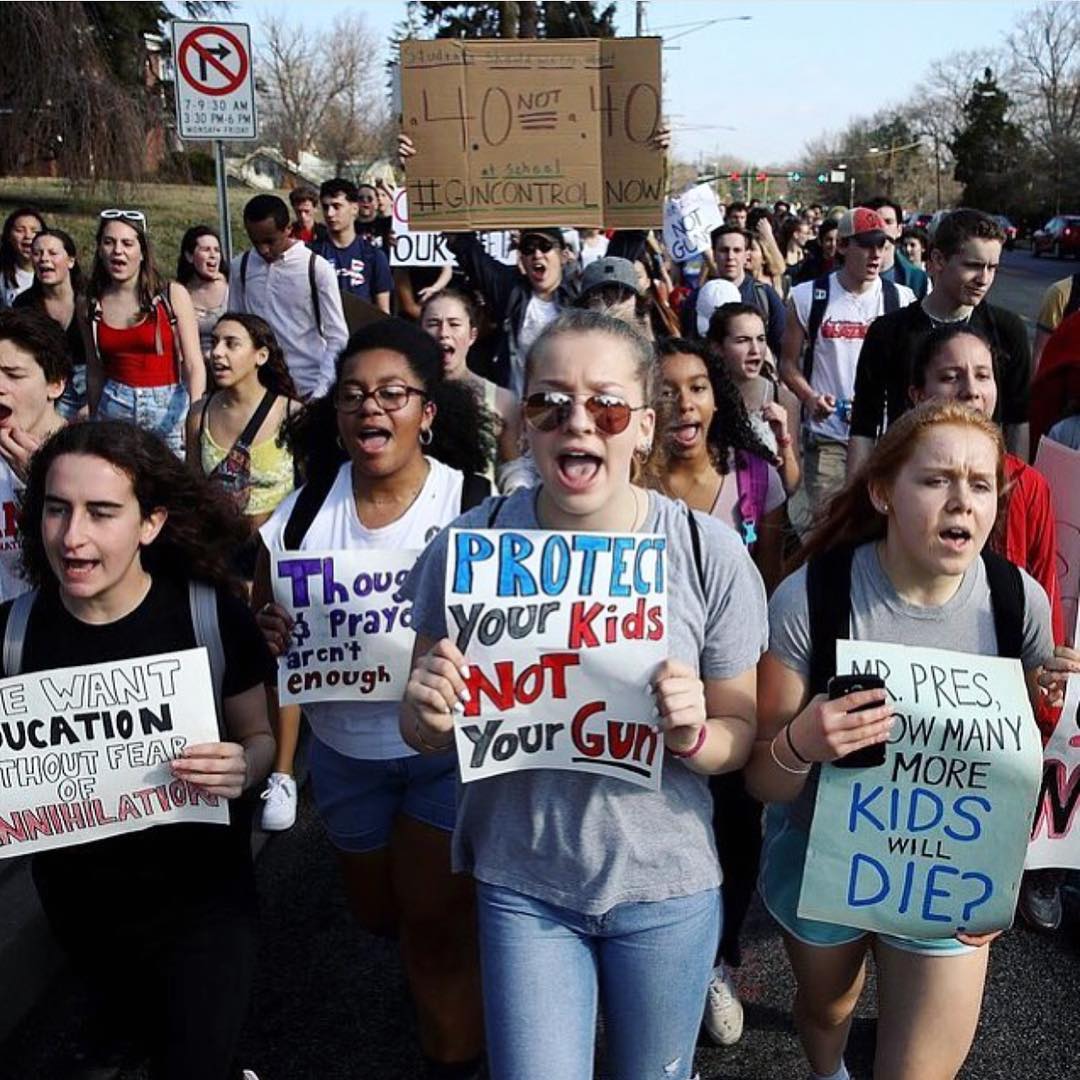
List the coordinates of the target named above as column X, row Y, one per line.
column 711, row 295
column 828, row 319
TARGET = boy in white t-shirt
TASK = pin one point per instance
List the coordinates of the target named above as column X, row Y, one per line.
column 34, row 369
column 828, row 320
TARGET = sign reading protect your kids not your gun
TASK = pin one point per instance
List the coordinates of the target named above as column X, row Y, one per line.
column 85, row 751
column 562, row 632
column 352, row 635
column 932, row 841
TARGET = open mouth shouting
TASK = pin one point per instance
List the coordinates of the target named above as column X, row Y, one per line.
column 373, row 439
column 956, row 537
column 578, row 469
column 6, row 415
column 684, row 435
column 78, row 569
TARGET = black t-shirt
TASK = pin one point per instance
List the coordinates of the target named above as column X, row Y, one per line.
column 185, row 856
column 72, row 335
column 888, row 351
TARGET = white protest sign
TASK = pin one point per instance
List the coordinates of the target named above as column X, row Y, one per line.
column 689, row 220
column 352, row 636
column 430, row 249
column 85, row 751
column 933, row 840
column 563, row 632
column 1061, row 467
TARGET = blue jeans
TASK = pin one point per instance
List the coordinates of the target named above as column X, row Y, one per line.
column 544, row 968
column 160, row 409
column 74, row 396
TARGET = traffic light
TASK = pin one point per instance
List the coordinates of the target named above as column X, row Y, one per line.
column 822, row 178
column 734, row 176
column 794, row 177
column 762, row 177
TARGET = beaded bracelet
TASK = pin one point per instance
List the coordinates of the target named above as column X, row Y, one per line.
column 786, row 768
column 703, row 734
column 791, row 747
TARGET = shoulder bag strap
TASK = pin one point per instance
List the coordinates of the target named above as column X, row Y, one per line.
column 15, row 632
column 308, row 502
column 202, row 601
column 315, row 306
column 695, row 547
column 1007, row 601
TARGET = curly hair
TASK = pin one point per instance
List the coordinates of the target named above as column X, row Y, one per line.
column 463, row 435
column 729, row 429
column 202, row 530
column 274, row 374
column 850, row 517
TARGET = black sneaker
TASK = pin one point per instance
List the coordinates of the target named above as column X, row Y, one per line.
column 1040, row 899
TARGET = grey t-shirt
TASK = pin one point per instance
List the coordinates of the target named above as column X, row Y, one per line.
column 587, row 842
column 964, row 623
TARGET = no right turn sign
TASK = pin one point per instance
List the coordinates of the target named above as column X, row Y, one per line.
column 215, row 87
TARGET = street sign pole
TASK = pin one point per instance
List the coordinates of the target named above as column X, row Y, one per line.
column 215, row 96
column 224, row 224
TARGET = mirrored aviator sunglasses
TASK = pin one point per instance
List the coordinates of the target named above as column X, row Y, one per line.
column 546, row 411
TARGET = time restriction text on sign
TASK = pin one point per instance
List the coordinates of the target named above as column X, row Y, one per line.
column 215, row 86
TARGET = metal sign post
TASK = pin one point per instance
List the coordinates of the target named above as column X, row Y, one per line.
column 215, row 96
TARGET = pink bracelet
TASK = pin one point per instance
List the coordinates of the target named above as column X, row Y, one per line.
column 703, row 734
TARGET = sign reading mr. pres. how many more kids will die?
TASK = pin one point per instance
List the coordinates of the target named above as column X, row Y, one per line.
column 562, row 632
column 932, row 841
column 515, row 133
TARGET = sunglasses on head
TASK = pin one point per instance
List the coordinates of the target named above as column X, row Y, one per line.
column 124, row 215
column 535, row 244
column 550, row 409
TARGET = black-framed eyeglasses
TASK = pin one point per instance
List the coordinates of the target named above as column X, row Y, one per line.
column 351, row 399
column 550, row 409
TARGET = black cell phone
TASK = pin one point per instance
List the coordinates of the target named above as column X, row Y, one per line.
column 842, row 685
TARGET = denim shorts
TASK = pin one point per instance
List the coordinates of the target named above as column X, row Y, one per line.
column 782, row 861
column 74, row 396
column 358, row 799
column 160, row 409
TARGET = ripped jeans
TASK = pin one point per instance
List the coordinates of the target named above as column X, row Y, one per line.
column 545, row 968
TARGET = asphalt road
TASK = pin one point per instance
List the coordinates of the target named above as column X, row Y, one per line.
column 330, row 1002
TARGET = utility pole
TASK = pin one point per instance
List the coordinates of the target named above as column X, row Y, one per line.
column 639, row 18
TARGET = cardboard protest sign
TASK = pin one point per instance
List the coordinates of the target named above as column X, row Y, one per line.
column 352, row 635
column 563, row 632
column 85, row 751
column 932, row 841
column 689, row 220
column 515, row 133
column 430, row 249
column 1061, row 467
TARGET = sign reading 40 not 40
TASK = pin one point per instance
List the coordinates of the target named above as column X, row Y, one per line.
column 215, row 85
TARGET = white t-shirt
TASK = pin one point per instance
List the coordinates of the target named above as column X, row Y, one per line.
column 593, row 248
column 726, row 506
column 538, row 314
column 11, row 581
column 367, row 730
column 23, row 280
column 836, row 352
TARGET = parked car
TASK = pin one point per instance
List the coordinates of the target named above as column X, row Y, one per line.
column 1009, row 228
column 918, row 219
column 1060, row 236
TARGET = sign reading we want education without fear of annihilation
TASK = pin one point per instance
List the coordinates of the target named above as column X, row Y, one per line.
column 517, row 133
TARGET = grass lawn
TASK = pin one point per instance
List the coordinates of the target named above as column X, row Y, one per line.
column 170, row 210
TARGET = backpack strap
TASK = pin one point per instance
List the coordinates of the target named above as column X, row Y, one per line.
column 493, row 514
column 1007, row 601
column 312, row 496
column 695, row 547
column 251, row 428
column 828, row 601
column 1073, row 303
column 243, row 275
column 15, row 632
column 474, row 490
column 315, row 306
column 752, row 479
column 891, row 296
column 202, row 601
column 819, row 293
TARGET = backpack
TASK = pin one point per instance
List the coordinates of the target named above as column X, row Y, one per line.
column 752, row 478
column 474, row 490
column 828, row 598
column 818, row 305
column 202, row 602
column 315, row 306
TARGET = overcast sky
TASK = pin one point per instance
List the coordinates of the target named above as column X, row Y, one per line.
column 796, row 69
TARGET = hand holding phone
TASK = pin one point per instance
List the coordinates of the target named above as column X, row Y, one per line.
column 842, row 685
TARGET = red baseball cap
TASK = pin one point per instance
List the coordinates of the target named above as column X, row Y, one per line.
column 861, row 222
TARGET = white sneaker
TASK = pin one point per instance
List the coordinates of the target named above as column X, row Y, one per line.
column 279, row 813
column 723, row 1010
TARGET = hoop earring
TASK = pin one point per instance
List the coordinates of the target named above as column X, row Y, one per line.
column 426, row 432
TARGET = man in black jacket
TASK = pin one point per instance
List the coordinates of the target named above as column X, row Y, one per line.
column 520, row 299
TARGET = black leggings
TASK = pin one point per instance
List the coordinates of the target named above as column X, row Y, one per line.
column 173, row 979
column 737, row 828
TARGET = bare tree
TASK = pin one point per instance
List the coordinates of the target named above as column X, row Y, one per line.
column 320, row 90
